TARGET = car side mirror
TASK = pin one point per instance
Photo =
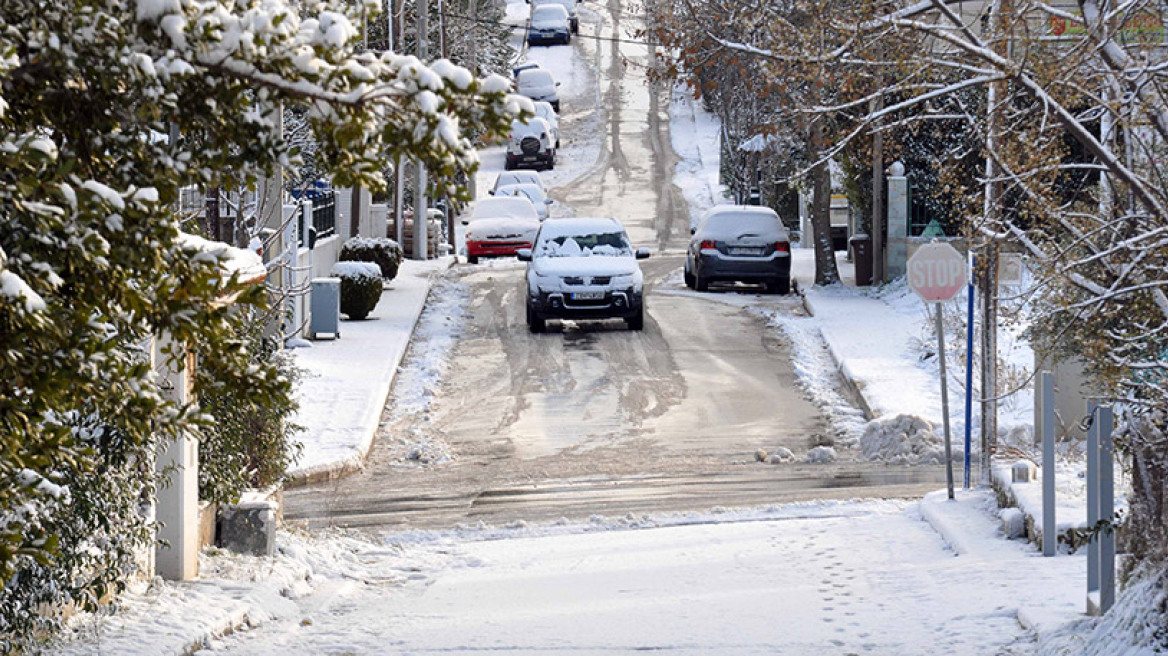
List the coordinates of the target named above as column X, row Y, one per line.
column 642, row 253
column 465, row 222
column 524, row 254
column 557, row 84
column 693, row 231
column 548, row 201
column 491, row 192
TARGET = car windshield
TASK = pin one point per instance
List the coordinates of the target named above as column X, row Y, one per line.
column 737, row 223
column 607, row 244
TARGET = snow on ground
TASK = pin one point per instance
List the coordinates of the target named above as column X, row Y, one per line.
column 695, row 136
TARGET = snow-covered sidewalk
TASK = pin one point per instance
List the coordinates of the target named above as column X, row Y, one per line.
column 778, row 580
column 346, row 381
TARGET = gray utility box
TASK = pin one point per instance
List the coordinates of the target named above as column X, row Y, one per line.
column 326, row 308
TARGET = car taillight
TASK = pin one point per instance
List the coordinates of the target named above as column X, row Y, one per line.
column 709, row 244
column 782, row 247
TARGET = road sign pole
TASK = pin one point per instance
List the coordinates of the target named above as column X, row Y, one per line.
column 969, row 374
column 944, row 400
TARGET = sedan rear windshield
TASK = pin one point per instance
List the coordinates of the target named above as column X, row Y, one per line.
column 536, row 78
column 737, row 224
column 608, row 244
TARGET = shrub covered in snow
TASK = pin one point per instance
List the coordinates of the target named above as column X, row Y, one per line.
column 360, row 287
column 385, row 253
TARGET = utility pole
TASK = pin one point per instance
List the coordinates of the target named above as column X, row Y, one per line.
column 420, row 222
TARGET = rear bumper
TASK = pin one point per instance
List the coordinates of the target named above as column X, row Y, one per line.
column 719, row 267
column 616, row 304
column 539, row 159
column 495, row 248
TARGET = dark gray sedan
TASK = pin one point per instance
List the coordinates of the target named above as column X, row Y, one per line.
column 743, row 243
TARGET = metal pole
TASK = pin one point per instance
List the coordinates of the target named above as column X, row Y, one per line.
column 1049, row 525
column 1107, row 511
column 945, row 401
column 420, row 222
column 1092, row 497
column 969, row 374
column 877, row 222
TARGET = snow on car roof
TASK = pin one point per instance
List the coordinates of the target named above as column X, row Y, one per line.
column 535, row 76
column 504, row 206
column 533, row 125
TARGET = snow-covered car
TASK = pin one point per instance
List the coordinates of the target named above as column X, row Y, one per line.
column 549, row 24
column 499, row 226
column 516, row 177
column 532, row 192
column 530, row 144
column 568, row 5
column 739, row 243
column 548, row 113
column 584, row 268
column 538, row 84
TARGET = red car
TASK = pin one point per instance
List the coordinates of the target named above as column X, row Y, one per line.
column 500, row 226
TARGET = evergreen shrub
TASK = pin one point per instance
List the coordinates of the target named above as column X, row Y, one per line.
column 360, row 287
column 384, row 252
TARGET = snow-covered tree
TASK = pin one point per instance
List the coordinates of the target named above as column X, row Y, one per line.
column 107, row 109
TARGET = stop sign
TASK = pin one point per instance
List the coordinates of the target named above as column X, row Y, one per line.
column 936, row 272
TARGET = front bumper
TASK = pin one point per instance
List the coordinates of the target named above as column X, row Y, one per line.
column 615, row 304
column 536, row 38
column 501, row 248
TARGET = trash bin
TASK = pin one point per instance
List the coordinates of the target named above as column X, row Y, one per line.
column 861, row 246
column 325, row 304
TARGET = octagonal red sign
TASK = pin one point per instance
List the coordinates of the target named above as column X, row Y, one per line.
column 936, row 272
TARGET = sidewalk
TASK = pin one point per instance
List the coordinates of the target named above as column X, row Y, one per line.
column 347, row 380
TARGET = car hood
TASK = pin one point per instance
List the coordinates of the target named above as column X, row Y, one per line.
column 538, row 90
column 502, row 228
column 597, row 265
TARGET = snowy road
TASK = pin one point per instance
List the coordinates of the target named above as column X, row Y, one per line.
column 592, row 418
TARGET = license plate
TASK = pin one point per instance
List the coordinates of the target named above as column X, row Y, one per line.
column 530, row 158
column 587, row 296
column 742, row 250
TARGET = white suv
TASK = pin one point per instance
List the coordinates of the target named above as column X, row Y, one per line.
column 583, row 269
column 530, row 144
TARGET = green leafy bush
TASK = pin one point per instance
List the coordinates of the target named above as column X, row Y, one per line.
column 360, row 287
column 248, row 444
column 385, row 253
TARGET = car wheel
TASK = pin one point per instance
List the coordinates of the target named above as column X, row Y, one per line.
column 701, row 283
column 551, row 164
column 783, row 286
column 534, row 323
column 472, row 259
column 507, row 165
column 689, row 279
column 637, row 321
column 557, row 143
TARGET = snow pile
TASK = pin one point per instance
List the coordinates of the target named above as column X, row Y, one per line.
column 1133, row 626
column 903, row 439
column 820, row 455
column 356, row 270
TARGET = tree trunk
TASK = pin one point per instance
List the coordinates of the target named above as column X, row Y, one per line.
column 825, row 269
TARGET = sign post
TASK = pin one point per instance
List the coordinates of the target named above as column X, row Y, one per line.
column 936, row 272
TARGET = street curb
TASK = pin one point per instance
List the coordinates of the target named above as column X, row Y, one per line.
column 850, row 384
column 337, row 469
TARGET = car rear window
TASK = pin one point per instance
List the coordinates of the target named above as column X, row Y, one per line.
column 736, row 223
